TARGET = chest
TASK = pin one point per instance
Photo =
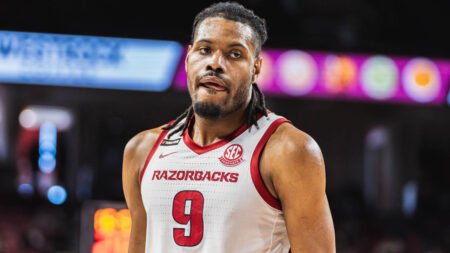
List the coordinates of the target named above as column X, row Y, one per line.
column 220, row 175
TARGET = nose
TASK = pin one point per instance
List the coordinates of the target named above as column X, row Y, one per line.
column 216, row 62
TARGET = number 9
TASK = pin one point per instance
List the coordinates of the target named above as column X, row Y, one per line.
column 188, row 209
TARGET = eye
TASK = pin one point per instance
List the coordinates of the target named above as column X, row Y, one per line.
column 235, row 54
column 204, row 50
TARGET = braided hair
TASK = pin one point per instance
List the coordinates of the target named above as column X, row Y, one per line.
column 257, row 106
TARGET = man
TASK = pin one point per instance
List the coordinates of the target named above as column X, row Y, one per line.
column 227, row 175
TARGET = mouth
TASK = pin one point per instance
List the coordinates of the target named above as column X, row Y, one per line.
column 213, row 86
column 213, row 83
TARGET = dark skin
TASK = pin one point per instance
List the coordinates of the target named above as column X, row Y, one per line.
column 297, row 179
column 234, row 60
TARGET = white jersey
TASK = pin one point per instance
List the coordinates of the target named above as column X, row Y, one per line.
column 211, row 199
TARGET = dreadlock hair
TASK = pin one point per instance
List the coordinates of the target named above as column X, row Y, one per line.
column 235, row 12
column 257, row 106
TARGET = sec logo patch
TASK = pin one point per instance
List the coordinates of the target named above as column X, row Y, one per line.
column 232, row 155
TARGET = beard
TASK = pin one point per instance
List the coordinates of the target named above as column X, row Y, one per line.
column 214, row 111
column 208, row 110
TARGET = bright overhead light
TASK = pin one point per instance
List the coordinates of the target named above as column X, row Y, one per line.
column 35, row 116
column 28, row 118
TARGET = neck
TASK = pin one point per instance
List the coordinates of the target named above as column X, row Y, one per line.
column 207, row 131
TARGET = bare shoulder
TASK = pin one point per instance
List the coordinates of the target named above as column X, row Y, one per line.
column 295, row 151
column 142, row 141
column 289, row 140
column 138, row 147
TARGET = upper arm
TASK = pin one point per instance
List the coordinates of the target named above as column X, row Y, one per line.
column 298, row 179
column 134, row 157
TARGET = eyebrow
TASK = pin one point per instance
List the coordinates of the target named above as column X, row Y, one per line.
column 237, row 44
column 204, row 40
column 233, row 44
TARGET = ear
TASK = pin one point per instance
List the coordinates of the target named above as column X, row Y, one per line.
column 187, row 57
column 257, row 68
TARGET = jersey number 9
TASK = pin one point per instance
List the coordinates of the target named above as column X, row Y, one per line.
column 188, row 210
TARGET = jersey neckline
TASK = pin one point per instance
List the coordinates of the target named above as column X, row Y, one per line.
column 203, row 149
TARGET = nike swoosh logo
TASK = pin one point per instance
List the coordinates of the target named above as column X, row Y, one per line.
column 164, row 155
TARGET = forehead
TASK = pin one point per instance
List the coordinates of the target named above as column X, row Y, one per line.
column 224, row 30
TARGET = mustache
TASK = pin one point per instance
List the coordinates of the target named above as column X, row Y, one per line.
column 211, row 73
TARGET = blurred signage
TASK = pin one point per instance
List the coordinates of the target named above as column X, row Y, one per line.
column 86, row 61
column 105, row 227
column 112, row 230
column 3, row 124
column 350, row 77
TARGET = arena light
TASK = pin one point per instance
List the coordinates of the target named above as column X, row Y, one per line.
column 105, row 227
column 28, row 118
column 409, row 198
column 25, row 190
column 87, row 61
column 421, row 79
column 47, row 147
column 111, row 230
column 379, row 77
column 298, row 72
column 35, row 116
column 104, row 223
column 57, row 195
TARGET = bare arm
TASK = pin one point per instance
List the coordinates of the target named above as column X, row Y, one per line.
column 297, row 178
column 135, row 153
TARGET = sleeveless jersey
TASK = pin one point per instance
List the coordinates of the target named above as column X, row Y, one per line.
column 206, row 199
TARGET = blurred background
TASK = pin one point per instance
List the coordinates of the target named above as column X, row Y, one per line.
column 368, row 79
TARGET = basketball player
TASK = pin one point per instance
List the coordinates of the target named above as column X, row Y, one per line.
column 227, row 175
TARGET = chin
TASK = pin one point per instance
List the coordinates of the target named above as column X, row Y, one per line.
column 208, row 109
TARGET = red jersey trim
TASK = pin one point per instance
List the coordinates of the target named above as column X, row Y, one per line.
column 254, row 165
column 152, row 151
column 203, row 149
